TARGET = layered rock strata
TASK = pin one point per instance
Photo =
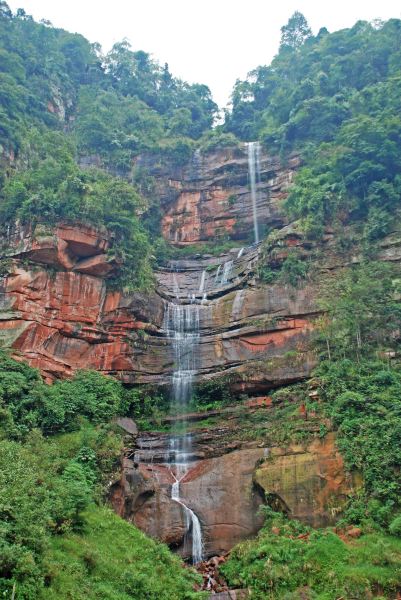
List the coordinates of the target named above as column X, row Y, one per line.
column 63, row 318
column 227, row 481
column 209, row 198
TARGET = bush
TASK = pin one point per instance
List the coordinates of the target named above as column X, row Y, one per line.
column 395, row 526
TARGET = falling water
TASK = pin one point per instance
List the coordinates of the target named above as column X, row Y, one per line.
column 182, row 326
column 191, row 520
column 202, row 282
column 227, row 271
column 217, row 275
column 254, row 179
column 240, row 252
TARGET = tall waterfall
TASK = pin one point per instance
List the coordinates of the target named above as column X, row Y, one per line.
column 253, row 149
column 181, row 323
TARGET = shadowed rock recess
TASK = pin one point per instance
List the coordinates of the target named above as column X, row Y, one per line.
column 57, row 312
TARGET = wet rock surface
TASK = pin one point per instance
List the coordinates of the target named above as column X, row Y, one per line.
column 210, row 197
column 218, row 487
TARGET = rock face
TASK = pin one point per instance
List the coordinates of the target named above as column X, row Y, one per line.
column 57, row 311
column 210, row 197
column 218, row 487
column 226, row 483
column 65, row 319
column 308, row 481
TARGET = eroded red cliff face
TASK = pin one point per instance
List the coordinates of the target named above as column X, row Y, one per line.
column 56, row 311
column 210, row 197
column 227, row 480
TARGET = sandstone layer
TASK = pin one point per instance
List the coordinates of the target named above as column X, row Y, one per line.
column 209, row 198
column 226, row 483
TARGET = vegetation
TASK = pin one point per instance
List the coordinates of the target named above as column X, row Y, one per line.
column 58, row 451
column 86, row 565
column 291, row 560
column 62, row 103
column 334, row 97
column 115, row 105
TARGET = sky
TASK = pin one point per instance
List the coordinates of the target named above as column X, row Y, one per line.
column 213, row 42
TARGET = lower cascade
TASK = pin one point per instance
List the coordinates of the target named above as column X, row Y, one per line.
column 182, row 328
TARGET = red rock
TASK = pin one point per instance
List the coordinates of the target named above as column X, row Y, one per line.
column 354, row 532
column 98, row 266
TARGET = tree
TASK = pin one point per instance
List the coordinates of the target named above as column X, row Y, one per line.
column 294, row 34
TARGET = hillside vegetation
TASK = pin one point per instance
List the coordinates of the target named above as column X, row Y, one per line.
column 72, row 122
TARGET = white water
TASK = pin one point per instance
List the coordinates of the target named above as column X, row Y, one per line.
column 191, row 519
column 240, row 252
column 253, row 149
column 217, row 275
column 181, row 323
column 202, row 282
column 227, row 271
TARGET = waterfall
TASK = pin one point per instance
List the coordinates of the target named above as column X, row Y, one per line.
column 227, row 270
column 181, row 323
column 217, row 275
column 191, row 520
column 202, row 282
column 253, row 149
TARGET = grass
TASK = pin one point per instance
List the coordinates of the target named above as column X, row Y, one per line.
column 112, row 560
column 280, row 565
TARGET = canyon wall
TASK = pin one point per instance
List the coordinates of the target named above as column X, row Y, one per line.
column 58, row 311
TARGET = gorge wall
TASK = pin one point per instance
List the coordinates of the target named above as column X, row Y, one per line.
column 58, row 312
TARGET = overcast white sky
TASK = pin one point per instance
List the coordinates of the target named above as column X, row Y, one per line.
column 207, row 41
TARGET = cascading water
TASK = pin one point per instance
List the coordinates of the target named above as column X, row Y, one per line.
column 227, row 270
column 253, row 149
column 202, row 282
column 182, row 327
column 217, row 275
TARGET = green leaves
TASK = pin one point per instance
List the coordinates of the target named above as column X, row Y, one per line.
column 28, row 403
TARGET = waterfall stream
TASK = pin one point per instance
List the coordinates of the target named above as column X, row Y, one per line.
column 181, row 323
column 253, row 149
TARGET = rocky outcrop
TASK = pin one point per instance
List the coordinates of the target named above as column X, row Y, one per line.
column 307, row 481
column 64, row 318
column 209, row 198
column 218, row 486
column 226, row 482
column 56, row 310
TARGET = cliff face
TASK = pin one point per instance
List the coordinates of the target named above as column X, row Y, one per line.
column 57, row 310
column 210, row 197
column 227, row 480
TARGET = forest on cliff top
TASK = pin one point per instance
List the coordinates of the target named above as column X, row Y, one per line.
column 72, row 122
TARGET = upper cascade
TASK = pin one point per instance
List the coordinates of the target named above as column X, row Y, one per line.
column 254, row 169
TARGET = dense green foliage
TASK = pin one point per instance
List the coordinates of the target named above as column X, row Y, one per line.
column 115, row 105
column 27, row 403
column 335, row 97
column 112, row 560
column 58, row 451
column 294, row 561
column 54, row 189
column 63, row 103
column 364, row 402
